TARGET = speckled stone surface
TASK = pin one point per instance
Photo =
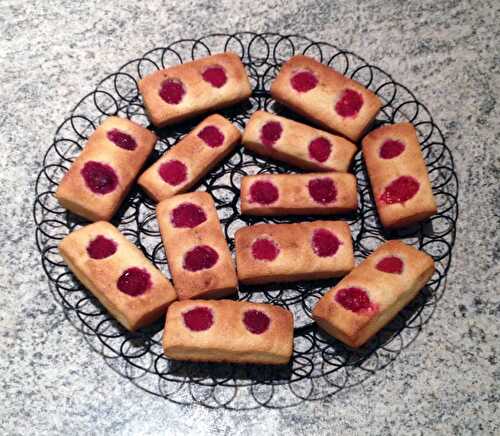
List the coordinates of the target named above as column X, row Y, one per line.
column 446, row 382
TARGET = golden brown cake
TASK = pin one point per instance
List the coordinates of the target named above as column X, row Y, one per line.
column 228, row 331
column 186, row 90
column 191, row 158
column 273, row 253
column 101, row 176
column 197, row 253
column 326, row 97
column 373, row 293
column 298, row 194
column 297, row 143
column 398, row 175
column 118, row 274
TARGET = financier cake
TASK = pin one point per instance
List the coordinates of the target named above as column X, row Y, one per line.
column 326, row 97
column 197, row 252
column 183, row 165
column 398, row 175
column 228, row 331
column 267, row 253
column 373, row 293
column 118, row 274
column 103, row 173
column 186, row 90
column 298, row 194
column 297, row 144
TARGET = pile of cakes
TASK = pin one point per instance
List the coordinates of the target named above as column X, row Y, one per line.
column 202, row 322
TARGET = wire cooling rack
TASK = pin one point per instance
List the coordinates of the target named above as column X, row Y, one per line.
column 321, row 366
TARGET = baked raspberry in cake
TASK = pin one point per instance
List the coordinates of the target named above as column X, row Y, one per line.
column 273, row 253
column 297, row 144
column 101, row 176
column 228, row 331
column 373, row 293
column 118, row 274
column 183, row 165
column 197, row 252
column 398, row 175
column 184, row 91
column 298, row 194
column 326, row 97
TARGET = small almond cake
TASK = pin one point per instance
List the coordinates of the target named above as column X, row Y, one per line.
column 228, row 331
column 118, row 274
column 183, row 165
column 326, row 97
column 186, row 90
column 273, row 253
column 398, row 175
column 103, row 173
column 298, row 194
column 297, row 144
column 373, row 293
column 197, row 252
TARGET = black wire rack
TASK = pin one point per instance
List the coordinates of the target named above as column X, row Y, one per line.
column 321, row 366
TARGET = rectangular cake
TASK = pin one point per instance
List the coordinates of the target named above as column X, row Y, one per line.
column 297, row 144
column 186, row 90
column 118, row 274
column 183, row 165
column 197, row 252
column 103, row 173
column 298, row 194
column 326, row 97
column 373, row 293
column 228, row 331
column 398, row 175
column 273, row 253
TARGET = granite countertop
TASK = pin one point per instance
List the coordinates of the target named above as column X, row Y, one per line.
column 446, row 382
